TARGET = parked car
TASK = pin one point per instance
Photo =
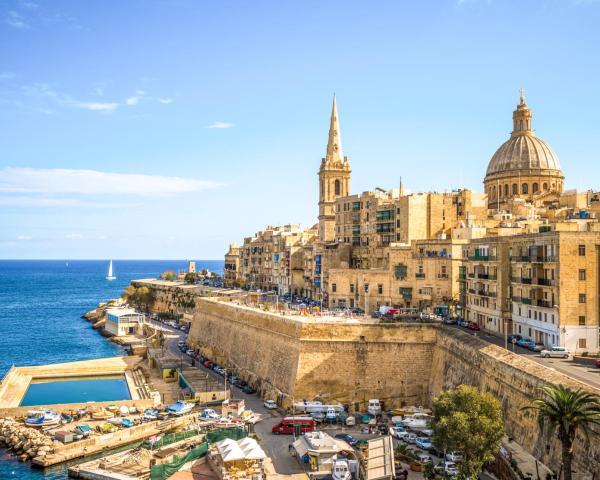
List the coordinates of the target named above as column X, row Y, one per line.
column 473, row 326
column 270, row 404
column 402, row 435
column 454, row 457
column 424, row 458
column 423, row 442
column 397, row 430
column 522, row 342
column 410, row 438
column 536, row 346
column 514, row 337
column 598, row 362
column 189, row 352
column 249, row 390
column 349, row 439
column 555, row 352
column 462, row 323
column 450, row 320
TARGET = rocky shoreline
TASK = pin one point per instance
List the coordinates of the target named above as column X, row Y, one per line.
column 25, row 442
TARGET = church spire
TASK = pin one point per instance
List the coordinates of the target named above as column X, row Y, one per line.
column 334, row 143
column 522, row 117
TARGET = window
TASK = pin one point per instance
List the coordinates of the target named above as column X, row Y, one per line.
column 582, row 343
column 515, row 189
column 545, row 186
column 582, row 298
column 380, row 289
column 581, row 319
column 582, row 250
column 351, row 288
column 506, row 190
column 333, row 287
column 366, row 286
column 337, row 187
column 582, row 274
column 534, row 188
column 524, row 189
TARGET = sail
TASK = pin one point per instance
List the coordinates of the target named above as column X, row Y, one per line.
column 110, row 272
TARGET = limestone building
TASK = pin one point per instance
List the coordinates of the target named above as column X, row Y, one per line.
column 506, row 259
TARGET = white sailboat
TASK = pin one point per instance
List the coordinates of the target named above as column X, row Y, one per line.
column 110, row 275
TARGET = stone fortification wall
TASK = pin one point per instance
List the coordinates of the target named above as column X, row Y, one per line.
column 293, row 359
column 514, row 380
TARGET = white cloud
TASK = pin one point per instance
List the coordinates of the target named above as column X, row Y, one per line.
column 93, row 182
column 220, row 125
column 51, row 202
column 165, row 101
column 105, row 107
column 29, row 4
column 74, row 236
column 131, row 101
column 24, row 238
column 14, row 19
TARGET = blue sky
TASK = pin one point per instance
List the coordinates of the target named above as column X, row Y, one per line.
column 168, row 129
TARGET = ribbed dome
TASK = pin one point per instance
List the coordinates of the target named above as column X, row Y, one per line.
column 523, row 153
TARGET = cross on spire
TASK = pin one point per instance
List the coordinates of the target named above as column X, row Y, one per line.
column 522, row 92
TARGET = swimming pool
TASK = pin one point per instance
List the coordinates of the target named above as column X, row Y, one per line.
column 76, row 390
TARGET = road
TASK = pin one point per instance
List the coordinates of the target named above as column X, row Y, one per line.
column 583, row 373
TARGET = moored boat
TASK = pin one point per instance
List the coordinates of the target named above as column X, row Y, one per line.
column 341, row 470
column 180, row 408
column 42, row 418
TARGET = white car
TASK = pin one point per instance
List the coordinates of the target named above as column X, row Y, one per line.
column 454, row 457
column 555, row 352
column 270, row 404
column 410, row 438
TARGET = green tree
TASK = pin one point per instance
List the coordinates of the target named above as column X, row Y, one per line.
column 129, row 293
column 144, row 298
column 470, row 421
column 565, row 411
column 190, row 277
column 168, row 275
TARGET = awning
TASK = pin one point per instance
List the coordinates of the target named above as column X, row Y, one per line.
column 300, row 448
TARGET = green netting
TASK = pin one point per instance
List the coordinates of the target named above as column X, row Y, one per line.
column 164, row 471
column 170, row 438
column 235, row 433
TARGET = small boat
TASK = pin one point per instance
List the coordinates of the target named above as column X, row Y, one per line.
column 127, row 422
column 102, row 415
column 110, row 275
column 209, row 413
column 341, row 470
column 42, row 418
column 124, row 410
column 65, row 418
column 83, row 430
column 179, row 408
column 306, row 406
column 417, row 420
column 114, row 421
column 113, row 408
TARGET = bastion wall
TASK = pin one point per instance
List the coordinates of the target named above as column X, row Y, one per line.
column 290, row 359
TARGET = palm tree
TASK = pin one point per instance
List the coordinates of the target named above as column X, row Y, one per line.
column 566, row 411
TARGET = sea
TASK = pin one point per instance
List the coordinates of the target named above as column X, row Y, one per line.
column 41, row 303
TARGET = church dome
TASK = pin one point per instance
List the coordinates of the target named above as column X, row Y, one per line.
column 523, row 153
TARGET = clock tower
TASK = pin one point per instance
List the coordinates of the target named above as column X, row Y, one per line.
column 334, row 179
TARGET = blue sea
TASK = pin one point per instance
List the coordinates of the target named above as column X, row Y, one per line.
column 41, row 303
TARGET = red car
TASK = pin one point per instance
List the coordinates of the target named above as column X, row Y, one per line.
column 473, row 326
column 208, row 363
column 598, row 362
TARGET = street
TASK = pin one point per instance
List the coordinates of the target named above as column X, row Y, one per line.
column 583, row 373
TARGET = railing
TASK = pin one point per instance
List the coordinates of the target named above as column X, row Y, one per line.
column 486, row 293
column 419, row 275
column 483, row 258
column 516, row 299
column 520, row 258
column 442, row 275
column 471, row 275
column 525, row 280
column 486, row 276
column 462, row 276
column 526, row 301
column 544, row 303
column 546, row 282
column 472, row 290
column 544, row 259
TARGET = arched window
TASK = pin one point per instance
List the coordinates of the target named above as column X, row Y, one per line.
column 337, row 188
column 534, row 188
column 506, row 190
column 520, row 124
column 524, row 189
column 322, row 188
column 493, row 192
column 515, row 189
column 545, row 186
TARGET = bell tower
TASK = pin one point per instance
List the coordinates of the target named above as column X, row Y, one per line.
column 334, row 178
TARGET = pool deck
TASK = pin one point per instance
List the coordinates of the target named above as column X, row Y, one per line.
column 16, row 382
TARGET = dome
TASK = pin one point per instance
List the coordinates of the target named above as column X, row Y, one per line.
column 524, row 153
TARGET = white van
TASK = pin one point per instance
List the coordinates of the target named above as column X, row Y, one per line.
column 374, row 407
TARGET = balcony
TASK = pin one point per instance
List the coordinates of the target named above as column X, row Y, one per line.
column 483, row 258
column 486, row 276
column 442, row 276
column 462, row 276
column 546, row 282
column 486, row 293
column 520, row 258
column 544, row 303
column 471, row 275
column 526, row 301
column 419, row 275
column 544, row 259
column 473, row 291
column 525, row 280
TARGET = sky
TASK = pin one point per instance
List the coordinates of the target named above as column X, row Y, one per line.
column 167, row 129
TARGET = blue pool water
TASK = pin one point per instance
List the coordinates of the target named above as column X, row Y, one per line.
column 41, row 302
column 76, row 391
